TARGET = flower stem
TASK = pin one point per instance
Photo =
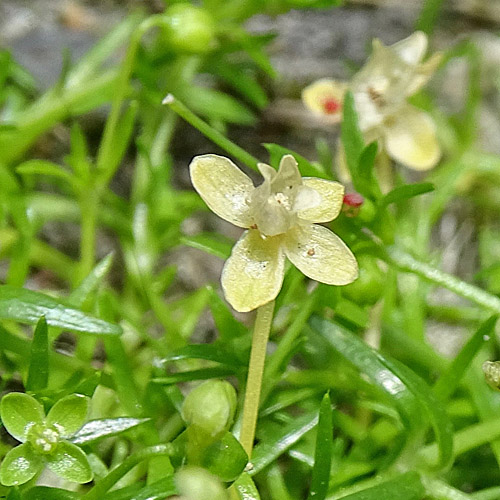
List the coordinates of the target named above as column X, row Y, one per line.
column 214, row 135
column 255, row 373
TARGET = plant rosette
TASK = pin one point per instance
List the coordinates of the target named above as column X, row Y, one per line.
column 280, row 215
column 44, row 438
column 380, row 90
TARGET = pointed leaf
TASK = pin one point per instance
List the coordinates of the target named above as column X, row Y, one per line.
column 323, row 452
column 352, row 137
column 70, row 462
column 20, row 465
column 406, row 192
column 27, row 306
column 209, row 243
column 38, row 370
column 245, row 488
column 69, row 414
column 49, row 493
column 106, row 427
column 307, row 169
column 19, row 412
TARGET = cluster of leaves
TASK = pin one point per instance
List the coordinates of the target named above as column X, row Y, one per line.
column 400, row 421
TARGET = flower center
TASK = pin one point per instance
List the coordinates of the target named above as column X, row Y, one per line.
column 280, row 199
column 331, row 105
column 43, row 439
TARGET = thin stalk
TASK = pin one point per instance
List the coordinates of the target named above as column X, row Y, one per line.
column 98, row 491
column 255, row 375
column 215, row 136
column 89, row 207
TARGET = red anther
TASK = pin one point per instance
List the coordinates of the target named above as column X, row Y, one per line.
column 354, row 200
column 331, row 105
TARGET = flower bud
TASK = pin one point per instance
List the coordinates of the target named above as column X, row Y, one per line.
column 195, row 483
column 491, row 370
column 189, row 28
column 210, row 407
column 369, row 286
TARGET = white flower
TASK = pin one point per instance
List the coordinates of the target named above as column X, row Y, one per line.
column 279, row 216
column 381, row 89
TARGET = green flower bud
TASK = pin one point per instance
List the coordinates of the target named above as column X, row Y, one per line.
column 189, row 29
column 195, row 483
column 369, row 286
column 225, row 458
column 210, row 407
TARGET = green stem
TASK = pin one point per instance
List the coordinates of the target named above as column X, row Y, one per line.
column 216, row 137
column 255, row 374
column 89, row 207
column 98, row 491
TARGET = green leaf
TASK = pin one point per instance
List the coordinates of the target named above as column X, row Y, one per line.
column 410, row 394
column 49, row 493
column 209, row 243
column 225, row 458
column 209, row 352
column 307, row 169
column 229, row 328
column 19, row 412
column 106, row 427
column 406, row 192
column 38, row 370
column 70, row 462
column 20, row 465
column 367, row 183
column 323, row 453
column 450, row 379
column 44, row 167
column 407, row 486
column 159, row 490
column 27, row 306
column 14, row 494
column 352, row 137
column 245, row 488
column 201, row 374
column 269, row 450
column 90, row 284
column 69, row 414
column 216, row 105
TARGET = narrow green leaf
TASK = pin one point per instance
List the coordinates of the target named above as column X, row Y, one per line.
column 367, row 181
column 225, row 458
column 217, row 105
column 38, row 370
column 409, row 392
column 406, row 486
column 81, row 294
column 49, row 493
column 229, row 328
column 27, row 306
column 209, row 352
column 307, row 169
column 269, row 450
column 44, row 167
column 352, row 137
column 406, row 262
column 450, row 379
column 405, row 192
column 323, row 452
column 209, row 243
column 106, row 427
column 201, row 374
column 245, row 488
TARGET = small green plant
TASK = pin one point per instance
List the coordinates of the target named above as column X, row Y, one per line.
column 46, row 440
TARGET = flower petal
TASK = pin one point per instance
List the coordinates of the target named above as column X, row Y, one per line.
column 253, row 275
column 19, row 412
column 223, row 187
column 332, row 195
column 410, row 138
column 69, row 414
column 423, row 73
column 20, row 465
column 412, row 49
column 70, row 462
column 324, row 97
column 321, row 255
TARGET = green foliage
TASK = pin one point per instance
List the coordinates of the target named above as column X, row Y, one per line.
column 122, row 368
